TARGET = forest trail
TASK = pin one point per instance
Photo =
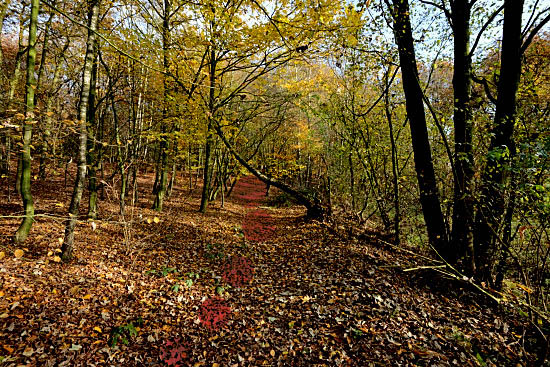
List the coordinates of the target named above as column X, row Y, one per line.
column 314, row 297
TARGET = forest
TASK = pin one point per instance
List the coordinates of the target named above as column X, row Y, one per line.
column 274, row 183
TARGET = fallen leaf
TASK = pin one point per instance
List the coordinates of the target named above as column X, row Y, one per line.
column 8, row 348
column 57, row 259
column 19, row 253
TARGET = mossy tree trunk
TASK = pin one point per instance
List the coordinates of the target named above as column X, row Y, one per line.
column 25, row 160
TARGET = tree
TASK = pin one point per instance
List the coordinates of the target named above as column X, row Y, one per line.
column 29, row 120
column 502, row 148
column 68, row 243
column 429, row 196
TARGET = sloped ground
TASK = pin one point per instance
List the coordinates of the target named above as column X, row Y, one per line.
column 315, row 298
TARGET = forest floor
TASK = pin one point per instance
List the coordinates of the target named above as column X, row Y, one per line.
column 243, row 285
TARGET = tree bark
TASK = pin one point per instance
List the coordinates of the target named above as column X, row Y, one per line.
column 429, row 196
column 315, row 210
column 163, row 153
column 463, row 212
column 394, row 161
column 209, row 132
column 68, row 243
column 25, row 161
column 502, row 148
column 92, row 157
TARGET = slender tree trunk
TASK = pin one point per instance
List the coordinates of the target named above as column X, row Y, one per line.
column 68, row 243
column 190, row 170
column 44, row 51
column 351, row 181
column 120, row 158
column 92, row 156
column 209, row 133
column 18, row 174
column 172, row 178
column 463, row 211
column 25, row 162
column 18, row 60
column 13, row 86
column 394, row 161
column 502, row 148
column 429, row 196
column 163, row 159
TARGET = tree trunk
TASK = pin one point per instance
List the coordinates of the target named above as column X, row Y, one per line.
column 501, row 149
column 429, row 196
column 209, row 133
column 163, row 159
column 92, row 145
column 68, row 243
column 394, row 161
column 13, row 86
column 120, row 159
column 25, row 162
column 463, row 211
column 315, row 210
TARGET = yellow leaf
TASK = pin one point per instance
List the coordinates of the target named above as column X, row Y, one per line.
column 1, row 294
column 50, row 253
column 156, row 220
column 526, row 289
column 19, row 253
column 57, row 259
column 9, row 349
column 60, row 240
column 2, row 255
column 98, row 329
column 88, row 296
column 149, row 221
column 4, row 315
column 272, row 353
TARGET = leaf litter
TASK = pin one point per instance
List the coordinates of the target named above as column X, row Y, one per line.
column 316, row 297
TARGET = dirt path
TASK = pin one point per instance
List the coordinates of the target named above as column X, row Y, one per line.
column 151, row 283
